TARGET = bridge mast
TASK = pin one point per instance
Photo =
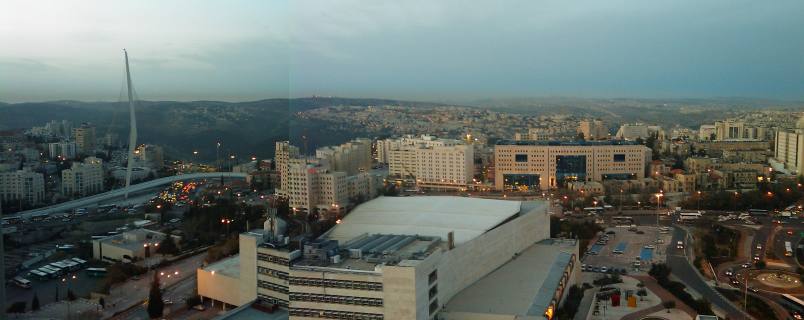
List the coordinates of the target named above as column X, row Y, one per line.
column 132, row 137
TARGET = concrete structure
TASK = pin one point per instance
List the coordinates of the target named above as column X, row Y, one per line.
column 593, row 130
column 84, row 137
column 538, row 164
column 433, row 163
column 83, row 178
column 62, row 150
column 128, row 245
column 23, row 186
column 406, row 258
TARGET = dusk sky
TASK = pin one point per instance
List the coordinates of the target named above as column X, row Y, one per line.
column 423, row 50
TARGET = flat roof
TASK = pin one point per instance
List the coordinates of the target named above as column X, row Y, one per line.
column 432, row 216
column 522, row 286
column 566, row 143
column 227, row 267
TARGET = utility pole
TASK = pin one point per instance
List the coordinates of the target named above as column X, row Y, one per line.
column 2, row 272
column 132, row 136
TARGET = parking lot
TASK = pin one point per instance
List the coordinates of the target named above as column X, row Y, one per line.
column 625, row 246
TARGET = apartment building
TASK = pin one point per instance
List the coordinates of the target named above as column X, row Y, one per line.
column 22, row 186
column 283, row 152
column 732, row 129
column 434, row 167
column 84, row 137
column 384, row 147
column 62, row 150
column 527, row 165
column 593, row 130
column 83, row 178
column 790, row 148
column 407, row 258
column 352, row 157
column 312, row 184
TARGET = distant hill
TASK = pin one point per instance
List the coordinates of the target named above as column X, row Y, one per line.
column 244, row 128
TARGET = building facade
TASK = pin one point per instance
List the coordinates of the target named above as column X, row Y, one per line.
column 525, row 165
column 83, row 178
column 593, row 130
column 282, row 154
column 62, row 150
column 434, row 166
column 84, row 137
column 790, row 149
column 23, row 186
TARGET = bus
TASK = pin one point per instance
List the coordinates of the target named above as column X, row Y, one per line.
column 623, row 220
column 757, row 212
column 49, row 272
column 689, row 216
column 794, row 305
column 21, row 282
column 38, row 274
column 593, row 210
column 79, row 261
column 96, row 272
column 788, row 249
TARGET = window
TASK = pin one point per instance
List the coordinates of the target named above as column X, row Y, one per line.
column 433, row 277
column 521, row 158
column 434, row 306
column 619, row 158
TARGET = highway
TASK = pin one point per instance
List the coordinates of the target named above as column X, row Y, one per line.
column 117, row 193
column 683, row 269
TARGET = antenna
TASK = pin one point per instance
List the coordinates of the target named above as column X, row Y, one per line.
column 132, row 137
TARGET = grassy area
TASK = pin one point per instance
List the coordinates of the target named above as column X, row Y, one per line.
column 757, row 308
column 715, row 243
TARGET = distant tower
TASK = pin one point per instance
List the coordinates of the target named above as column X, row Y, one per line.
column 132, row 137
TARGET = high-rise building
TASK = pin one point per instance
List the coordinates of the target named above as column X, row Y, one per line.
column 632, row 132
column 385, row 146
column 150, row 155
column 83, row 178
column 433, row 163
column 63, row 150
column 732, row 129
column 543, row 165
column 407, row 258
column 282, row 154
column 84, row 137
column 352, row 157
column 312, row 184
column 593, row 130
column 22, row 185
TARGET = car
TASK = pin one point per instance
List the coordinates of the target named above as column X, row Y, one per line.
column 759, row 247
column 596, row 269
column 735, row 282
column 583, row 267
column 730, row 272
column 640, row 232
column 790, row 232
column 604, row 269
column 167, row 301
column 610, row 232
column 754, row 290
column 756, row 257
column 746, row 265
column 199, row 307
column 650, row 246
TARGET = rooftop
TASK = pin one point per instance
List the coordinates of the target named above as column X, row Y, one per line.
column 566, row 143
column 433, row 216
column 523, row 286
column 133, row 239
column 228, row 267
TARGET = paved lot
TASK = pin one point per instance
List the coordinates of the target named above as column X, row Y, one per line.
column 633, row 245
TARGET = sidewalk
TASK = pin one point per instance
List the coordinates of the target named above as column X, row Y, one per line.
column 663, row 294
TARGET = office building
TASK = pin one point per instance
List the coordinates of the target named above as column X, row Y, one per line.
column 84, row 137
column 407, row 258
column 527, row 165
column 23, row 186
column 633, row 131
column 83, row 178
column 432, row 163
column 732, row 129
column 593, row 130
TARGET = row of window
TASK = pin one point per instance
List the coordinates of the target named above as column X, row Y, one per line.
column 326, row 298
column 331, row 314
column 341, row 284
column 272, row 300
column 272, row 286
column 272, row 259
column 272, row 273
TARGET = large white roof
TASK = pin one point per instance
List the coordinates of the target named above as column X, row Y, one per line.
column 425, row 215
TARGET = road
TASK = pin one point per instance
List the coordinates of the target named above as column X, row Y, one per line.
column 134, row 292
column 94, row 199
column 683, row 269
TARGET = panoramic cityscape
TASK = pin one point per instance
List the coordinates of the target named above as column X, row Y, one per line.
column 381, row 160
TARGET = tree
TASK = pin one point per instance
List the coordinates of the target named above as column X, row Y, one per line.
column 102, row 303
column 155, row 304
column 17, row 307
column 35, row 302
column 580, row 137
column 761, row 264
column 71, row 295
column 167, row 246
column 669, row 305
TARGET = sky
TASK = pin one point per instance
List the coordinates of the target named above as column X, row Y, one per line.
column 414, row 49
